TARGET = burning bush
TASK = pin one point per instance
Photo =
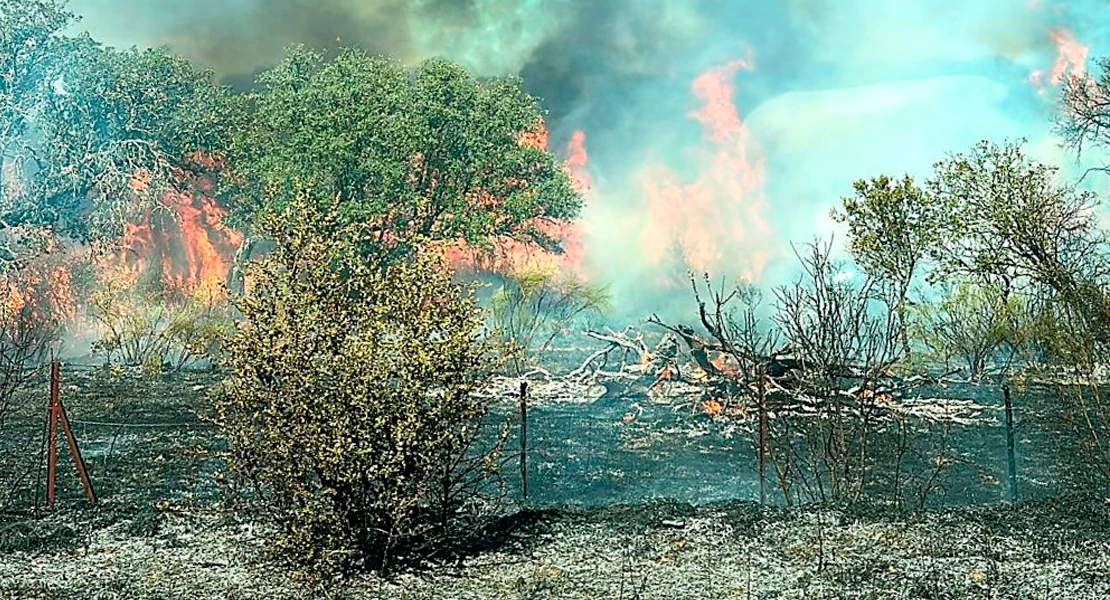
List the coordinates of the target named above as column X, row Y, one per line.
column 142, row 324
column 34, row 300
column 350, row 405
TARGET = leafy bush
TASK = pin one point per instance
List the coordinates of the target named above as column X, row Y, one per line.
column 350, row 405
column 972, row 323
column 156, row 330
column 532, row 308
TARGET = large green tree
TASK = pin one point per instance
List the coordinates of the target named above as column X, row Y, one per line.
column 117, row 114
column 1007, row 217
column 430, row 152
column 79, row 120
column 30, row 43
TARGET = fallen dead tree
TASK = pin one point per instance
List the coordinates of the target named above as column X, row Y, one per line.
column 814, row 381
column 626, row 366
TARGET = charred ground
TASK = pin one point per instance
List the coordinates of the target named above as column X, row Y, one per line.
column 598, row 524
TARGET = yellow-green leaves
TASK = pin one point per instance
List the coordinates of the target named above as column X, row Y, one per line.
column 352, row 405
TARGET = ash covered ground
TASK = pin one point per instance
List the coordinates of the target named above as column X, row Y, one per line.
column 662, row 505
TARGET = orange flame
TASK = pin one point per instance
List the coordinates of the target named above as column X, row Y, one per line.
column 1071, row 60
column 510, row 255
column 40, row 293
column 718, row 220
column 1071, row 56
column 712, row 407
column 185, row 237
column 726, row 364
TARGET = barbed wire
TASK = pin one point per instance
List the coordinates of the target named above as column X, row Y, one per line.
column 136, row 425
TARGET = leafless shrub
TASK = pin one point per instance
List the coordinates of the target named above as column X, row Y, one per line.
column 816, row 366
column 845, row 336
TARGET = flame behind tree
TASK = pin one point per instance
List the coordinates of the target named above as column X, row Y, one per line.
column 508, row 255
column 91, row 118
column 720, row 217
column 181, row 246
column 78, row 122
column 428, row 153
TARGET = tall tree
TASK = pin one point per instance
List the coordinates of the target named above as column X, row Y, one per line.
column 30, row 41
column 80, row 122
column 891, row 227
column 121, row 128
column 431, row 152
column 1007, row 219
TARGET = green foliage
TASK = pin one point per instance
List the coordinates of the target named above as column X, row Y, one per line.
column 78, row 121
column 993, row 216
column 533, row 307
column 972, row 323
column 351, row 402
column 29, row 38
column 1007, row 217
column 890, row 227
column 29, row 44
column 150, row 329
column 121, row 128
column 432, row 152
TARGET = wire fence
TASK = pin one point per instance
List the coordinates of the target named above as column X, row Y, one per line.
column 596, row 454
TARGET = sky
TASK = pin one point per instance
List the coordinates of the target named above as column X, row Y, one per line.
column 718, row 132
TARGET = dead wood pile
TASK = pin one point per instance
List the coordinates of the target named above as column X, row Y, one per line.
column 685, row 370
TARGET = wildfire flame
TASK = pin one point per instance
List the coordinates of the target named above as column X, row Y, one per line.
column 184, row 238
column 510, row 255
column 718, row 220
column 1071, row 60
column 41, row 292
column 712, row 407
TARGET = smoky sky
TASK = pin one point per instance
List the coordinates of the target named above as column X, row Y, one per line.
column 613, row 62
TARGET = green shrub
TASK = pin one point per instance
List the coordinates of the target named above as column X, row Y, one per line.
column 350, row 405
column 532, row 308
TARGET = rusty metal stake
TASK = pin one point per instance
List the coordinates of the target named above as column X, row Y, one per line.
column 524, row 439
column 58, row 415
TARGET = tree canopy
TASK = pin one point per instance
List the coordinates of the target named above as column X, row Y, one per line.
column 431, row 151
column 82, row 123
column 993, row 215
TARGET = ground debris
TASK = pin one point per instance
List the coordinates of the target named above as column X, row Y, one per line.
column 722, row 551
